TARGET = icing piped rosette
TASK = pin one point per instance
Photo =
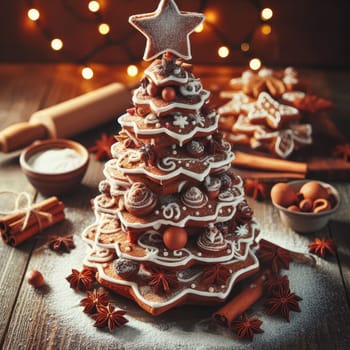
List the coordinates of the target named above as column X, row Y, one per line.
column 139, row 200
column 212, row 240
column 194, row 198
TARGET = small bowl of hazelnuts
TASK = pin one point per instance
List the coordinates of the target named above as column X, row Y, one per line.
column 305, row 205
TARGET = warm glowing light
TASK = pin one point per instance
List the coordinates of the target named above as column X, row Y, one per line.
column 245, row 47
column 254, row 63
column 87, row 73
column 266, row 14
column 211, row 16
column 94, row 6
column 33, row 14
column 266, row 29
column 104, row 28
column 132, row 70
column 223, row 51
column 56, row 44
column 199, row 28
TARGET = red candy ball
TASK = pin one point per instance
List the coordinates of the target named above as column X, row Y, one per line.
column 168, row 94
column 175, row 238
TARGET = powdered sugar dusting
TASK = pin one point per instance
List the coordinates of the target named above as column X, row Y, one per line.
column 190, row 327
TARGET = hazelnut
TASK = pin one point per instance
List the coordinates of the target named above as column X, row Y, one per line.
column 293, row 208
column 282, row 194
column 314, row 190
column 35, row 278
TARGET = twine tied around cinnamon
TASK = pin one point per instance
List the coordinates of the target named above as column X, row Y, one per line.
column 24, row 205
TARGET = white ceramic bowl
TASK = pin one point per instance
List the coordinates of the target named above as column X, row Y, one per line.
column 306, row 222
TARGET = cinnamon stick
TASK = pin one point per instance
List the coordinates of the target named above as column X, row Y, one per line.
column 17, row 226
column 14, row 239
column 44, row 206
column 241, row 302
column 252, row 161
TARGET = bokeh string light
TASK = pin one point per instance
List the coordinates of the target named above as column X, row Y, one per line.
column 224, row 51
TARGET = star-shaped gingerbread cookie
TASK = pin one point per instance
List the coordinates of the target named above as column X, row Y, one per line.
column 167, row 29
column 269, row 112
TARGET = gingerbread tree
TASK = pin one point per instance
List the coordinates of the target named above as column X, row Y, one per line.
column 172, row 224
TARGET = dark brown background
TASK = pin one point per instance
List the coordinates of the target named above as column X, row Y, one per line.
column 312, row 33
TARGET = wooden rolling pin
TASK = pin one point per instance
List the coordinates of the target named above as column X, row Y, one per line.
column 68, row 118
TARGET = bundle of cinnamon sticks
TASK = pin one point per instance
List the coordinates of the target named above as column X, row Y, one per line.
column 17, row 227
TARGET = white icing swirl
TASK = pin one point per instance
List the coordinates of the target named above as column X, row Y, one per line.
column 212, row 240
column 171, row 211
column 194, row 198
column 139, row 196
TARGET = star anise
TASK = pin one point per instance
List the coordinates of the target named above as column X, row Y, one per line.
column 245, row 327
column 162, row 280
column 323, row 246
column 81, row 280
column 255, row 189
column 94, row 299
column 61, row 243
column 216, row 274
column 284, row 301
column 108, row 316
column 312, row 104
column 103, row 147
column 342, row 151
column 274, row 285
column 148, row 154
column 274, row 256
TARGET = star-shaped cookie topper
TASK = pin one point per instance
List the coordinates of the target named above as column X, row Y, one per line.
column 167, row 29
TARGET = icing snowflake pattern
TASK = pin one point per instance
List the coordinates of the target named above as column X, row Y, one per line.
column 199, row 119
column 242, row 230
column 181, row 121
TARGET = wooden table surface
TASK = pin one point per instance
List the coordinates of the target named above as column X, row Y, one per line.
column 51, row 318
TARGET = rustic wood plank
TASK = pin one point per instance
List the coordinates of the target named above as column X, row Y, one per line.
column 339, row 229
column 21, row 93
